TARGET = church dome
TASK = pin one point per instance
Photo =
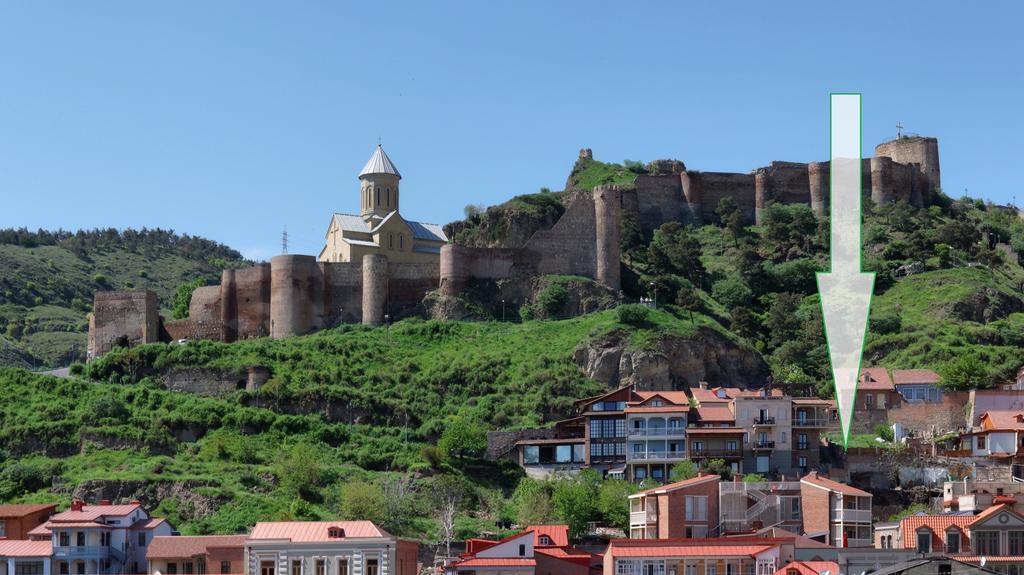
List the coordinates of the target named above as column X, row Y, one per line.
column 379, row 163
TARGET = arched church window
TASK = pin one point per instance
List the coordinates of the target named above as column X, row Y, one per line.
column 389, row 196
column 378, row 196
column 401, row 241
column 391, row 241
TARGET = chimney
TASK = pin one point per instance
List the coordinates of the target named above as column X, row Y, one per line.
column 702, row 385
column 136, row 502
column 76, row 504
column 104, row 502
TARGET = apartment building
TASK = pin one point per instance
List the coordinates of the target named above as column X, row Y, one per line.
column 973, row 496
column 812, row 417
column 540, row 550
column 25, row 557
column 876, row 395
column 999, row 438
column 18, row 520
column 197, row 555
column 917, row 385
column 739, row 556
column 835, row 513
column 684, row 509
column 713, row 434
column 102, row 539
column 746, row 507
column 993, row 538
column 767, row 419
column 327, row 548
column 562, row 451
column 656, row 431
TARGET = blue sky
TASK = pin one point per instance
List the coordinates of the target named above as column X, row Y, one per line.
column 231, row 120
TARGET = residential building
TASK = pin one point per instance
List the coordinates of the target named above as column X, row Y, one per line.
column 656, row 431
column 876, row 395
column 741, row 556
column 812, row 417
column 998, row 437
column 803, row 548
column 767, row 419
column 563, row 451
column 103, row 538
column 917, row 385
column 834, row 512
column 713, row 434
column 327, row 548
column 887, row 535
column 994, row 538
column 197, row 555
column 746, row 507
column 17, row 520
column 605, row 431
column 684, row 509
column 25, row 557
column 540, row 550
column 973, row 496
column 903, row 562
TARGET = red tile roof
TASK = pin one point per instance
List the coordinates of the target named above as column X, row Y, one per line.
column 814, row 479
column 147, row 523
column 999, row 419
column 910, row 376
column 495, row 562
column 715, row 413
column 23, row 509
column 190, row 546
column 656, row 550
column 875, row 379
column 40, row 530
column 314, row 531
column 810, row 567
column 699, row 480
column 82, row 524
column 559, row 534
column 676, row 397
column 659, row 409
column 728, row 430
column 979, row 518
column 938, row 525
column 94, row 512
column 25, row 548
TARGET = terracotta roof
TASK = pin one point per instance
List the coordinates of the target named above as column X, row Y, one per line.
column 22, row 509
column 25, row 548
column 655, row 550
column 171, row 547
column 875, row 379
column 994, row 510
column 147, row 523
column 93, row 512
column 715, row 413
column 937, row 523
column 676, row 397
column 84, row 524
column 314, row 531
column 909, row 376
column 810, row 567
column 989, row 558
column 799, row 541
column 559, row 534
column 659, row 409
column 563, row 552
column 495, row 562
column 1009, row 419
column 40, row 530
column 814, row 479
column 677, row 485
column 811, row 401
column 708, row 396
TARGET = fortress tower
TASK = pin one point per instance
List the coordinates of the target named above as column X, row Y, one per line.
column 378, row 192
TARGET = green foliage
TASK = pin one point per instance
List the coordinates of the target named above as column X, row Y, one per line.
column 183, row 297
column 683, row 470
column 363, row 500
column 912, row 509
column 613, row 502
column 632, row 314
column 577, row 501
column 754, row 478
column 531, row 502
column 675, row 250
column 591, row 173
column 300, row 471
column 463, row 438
column 552, row 299
column 965, row 372
column 717, row 467
column 731, row 292
column 885, row 432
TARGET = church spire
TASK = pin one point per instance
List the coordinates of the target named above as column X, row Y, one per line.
column 379, row 163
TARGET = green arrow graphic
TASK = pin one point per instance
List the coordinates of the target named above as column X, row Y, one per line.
column 845, row 290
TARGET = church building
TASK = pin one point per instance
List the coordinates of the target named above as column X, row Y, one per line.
column 379, row 227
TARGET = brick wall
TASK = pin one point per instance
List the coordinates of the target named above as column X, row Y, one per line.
column 814, row 508
column 659, row 200
column 125, row 317
column 928, row 419
column 568, row 247
column 718, row 185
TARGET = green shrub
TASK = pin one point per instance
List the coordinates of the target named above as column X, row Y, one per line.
column 633, row 314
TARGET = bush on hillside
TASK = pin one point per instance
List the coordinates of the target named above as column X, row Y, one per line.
column 633, row 314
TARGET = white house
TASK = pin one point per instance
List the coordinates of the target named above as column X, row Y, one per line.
column 327, row 548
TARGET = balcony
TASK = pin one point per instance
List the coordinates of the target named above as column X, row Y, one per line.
column 764, row 445
column 764, row 420
column 656, row 456
column 715, row 454
column 851, row 515
column 807, row 422
column 83, row 551
column 854, row 542
column 643, row 517
column 658, row 432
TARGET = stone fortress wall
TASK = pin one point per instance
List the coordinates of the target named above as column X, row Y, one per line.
column 296, row 294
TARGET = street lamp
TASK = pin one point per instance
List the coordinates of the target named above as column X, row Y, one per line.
column 502, row 309
column 655, row 290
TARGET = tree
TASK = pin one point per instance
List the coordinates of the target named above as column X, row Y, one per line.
column 674, row 250
column 576, row 501
column 688, row 300
column 966, row 372
column 631, row 238
column 463, row 438
column 726, row 208
column 731, row 292
column 783, row 322
column 183, row 298
column 531, row 502
column 744, row 323
column 300, row 471
column 363, row 500
column 448, row 493
column 754, row 478
column 632, row 313
column 613, row 502
column 472, row 210
column 683, row 470
column 717, row 467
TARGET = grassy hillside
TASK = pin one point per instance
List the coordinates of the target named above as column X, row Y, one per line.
column 47, row 282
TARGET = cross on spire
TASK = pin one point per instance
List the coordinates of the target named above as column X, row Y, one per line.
column 899, row 130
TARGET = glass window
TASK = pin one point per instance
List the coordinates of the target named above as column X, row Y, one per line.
column 563, row 454
column 321, row 567
column 3, row 528
column 172, row 569
column 987, row 542
column 696, row 508
column 64, row 538
column 1016, row 542
column 731, row 445
column 80, row 539
column 28, row 568
column 531, row 454
column 802, row 462
column 296, row 567
column 578, row 453
column 981, row 442
column 953, row 541
column 924, row 541
column 188, row 567
column 225, row 567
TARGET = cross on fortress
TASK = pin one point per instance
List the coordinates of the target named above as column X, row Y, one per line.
column 376, row 265
column 899, row 130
